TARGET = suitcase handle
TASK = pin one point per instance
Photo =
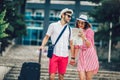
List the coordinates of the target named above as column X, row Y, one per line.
column 40, row 54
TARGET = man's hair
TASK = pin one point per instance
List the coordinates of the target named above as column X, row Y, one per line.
column 68, row 12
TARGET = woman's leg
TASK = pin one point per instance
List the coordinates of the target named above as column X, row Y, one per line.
column 89, row 75
column 81, row 75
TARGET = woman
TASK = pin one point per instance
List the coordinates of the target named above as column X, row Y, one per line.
column 87, row 64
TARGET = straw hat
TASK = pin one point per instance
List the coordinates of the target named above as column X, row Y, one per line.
column 83, row 18
column 65, row 10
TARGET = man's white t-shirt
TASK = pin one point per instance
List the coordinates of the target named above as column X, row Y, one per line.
column 61, row 48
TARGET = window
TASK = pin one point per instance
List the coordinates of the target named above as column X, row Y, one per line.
column 28, row 15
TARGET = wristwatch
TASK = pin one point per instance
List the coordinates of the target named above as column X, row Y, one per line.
column 73, row 58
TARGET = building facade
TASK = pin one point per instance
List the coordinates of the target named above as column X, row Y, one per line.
column 40, row 13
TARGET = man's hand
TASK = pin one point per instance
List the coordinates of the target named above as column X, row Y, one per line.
column 72, row 62
column 41, row 47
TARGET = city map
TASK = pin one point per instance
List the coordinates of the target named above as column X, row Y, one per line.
column 76, row 39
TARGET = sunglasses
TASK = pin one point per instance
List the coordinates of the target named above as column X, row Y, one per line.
column 69, row 16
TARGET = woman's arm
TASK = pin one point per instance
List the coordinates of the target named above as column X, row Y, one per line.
column 87, row 42
column 85, row 39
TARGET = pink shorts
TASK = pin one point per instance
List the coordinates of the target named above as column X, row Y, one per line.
column 58, row 64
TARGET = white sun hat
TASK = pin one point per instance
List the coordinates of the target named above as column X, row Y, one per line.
column 83, row 18
column 65, row 10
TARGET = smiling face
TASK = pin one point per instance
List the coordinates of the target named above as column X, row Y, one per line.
column 66, row 17
column 80, row 24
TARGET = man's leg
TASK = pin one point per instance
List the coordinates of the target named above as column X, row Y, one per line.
column 52, row 76
column 53, row 66
column 62, row 65
column 61, row 77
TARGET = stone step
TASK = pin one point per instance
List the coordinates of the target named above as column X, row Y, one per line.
column 70, row 75
column 18, row 68
column 67, row 78
column 19, row 54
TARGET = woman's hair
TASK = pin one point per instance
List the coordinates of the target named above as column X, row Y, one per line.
column 87, row 25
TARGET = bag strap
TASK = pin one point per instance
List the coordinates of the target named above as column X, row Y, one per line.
column 69, row 34
column 60, row 35
column 69, row 38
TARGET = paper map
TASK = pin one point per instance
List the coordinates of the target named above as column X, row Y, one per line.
column 76, row 39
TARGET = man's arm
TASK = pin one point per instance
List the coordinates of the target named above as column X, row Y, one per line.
column 45, row 40
column 72, row 48
column 72, row 60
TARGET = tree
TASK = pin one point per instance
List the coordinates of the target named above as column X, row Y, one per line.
column 15, row 17
column 107, row 12
column 3, row 25
column 116, row 34
column 102, row 34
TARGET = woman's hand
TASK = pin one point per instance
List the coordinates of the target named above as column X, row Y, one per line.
column 81, row 34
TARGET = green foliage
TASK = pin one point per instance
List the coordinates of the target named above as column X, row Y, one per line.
column 103, row 33
column 3, row 25
column 116, row 34
column 15, row 17
column 102, row 29
column 107, row 12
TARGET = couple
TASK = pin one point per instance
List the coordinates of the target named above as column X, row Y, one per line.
column 87, row 61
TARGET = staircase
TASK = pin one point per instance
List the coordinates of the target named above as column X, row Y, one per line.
column 70, row 75
column 19, row 54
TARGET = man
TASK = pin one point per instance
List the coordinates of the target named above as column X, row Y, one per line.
column 58, row 62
